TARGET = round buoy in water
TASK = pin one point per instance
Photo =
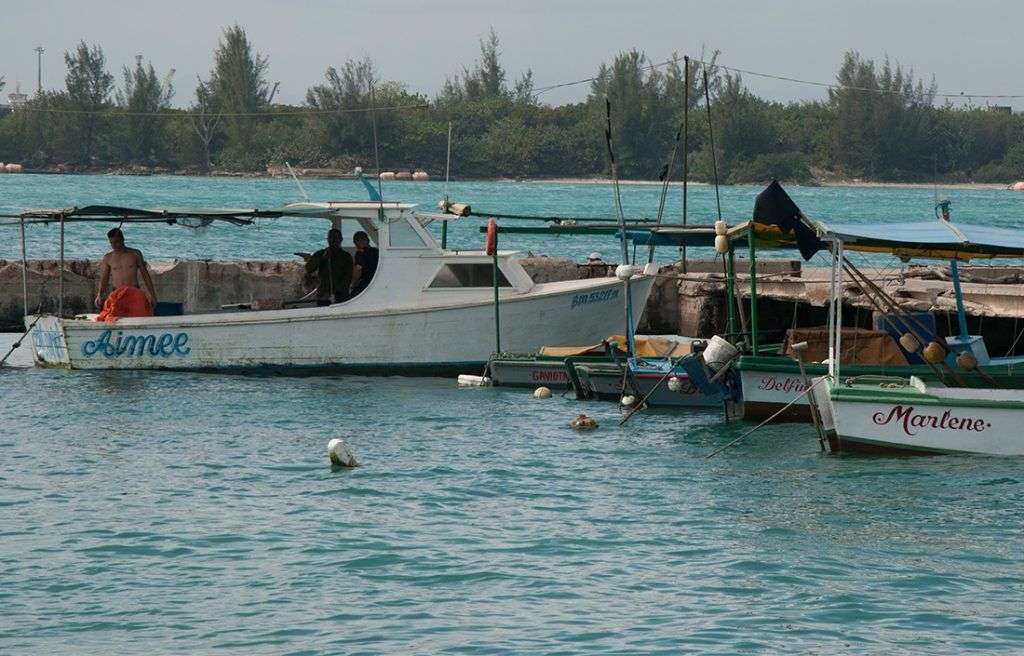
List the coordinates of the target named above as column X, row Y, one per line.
column 628, row 400
column 340, row 453
column 583, row 422
column 542, row 393
column 675, row 384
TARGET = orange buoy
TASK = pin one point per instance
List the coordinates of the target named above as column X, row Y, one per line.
column 934, row 353
column 492, row 237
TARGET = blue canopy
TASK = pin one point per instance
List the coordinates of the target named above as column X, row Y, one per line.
column 932, row 239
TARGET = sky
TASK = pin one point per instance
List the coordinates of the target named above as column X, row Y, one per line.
column 971, row 47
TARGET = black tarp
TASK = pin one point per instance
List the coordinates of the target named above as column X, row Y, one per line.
column 773, row 206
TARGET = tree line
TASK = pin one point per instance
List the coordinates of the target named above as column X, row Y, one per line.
column 879, row 122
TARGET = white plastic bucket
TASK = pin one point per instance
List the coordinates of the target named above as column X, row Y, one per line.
column 718, row 353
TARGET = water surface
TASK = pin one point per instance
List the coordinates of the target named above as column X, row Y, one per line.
column 153, row 512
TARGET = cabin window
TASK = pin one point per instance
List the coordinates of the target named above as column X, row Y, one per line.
column 467, row 275
column 403, row 235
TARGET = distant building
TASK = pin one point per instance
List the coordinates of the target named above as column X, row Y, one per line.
column 1001, row 109
column 17, row 100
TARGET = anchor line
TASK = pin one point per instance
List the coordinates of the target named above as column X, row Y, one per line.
column 20, row 340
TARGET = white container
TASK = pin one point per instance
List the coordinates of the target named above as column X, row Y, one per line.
column 466, row 380
column 718, row 353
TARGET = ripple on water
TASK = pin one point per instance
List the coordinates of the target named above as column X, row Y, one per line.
column 211, row 521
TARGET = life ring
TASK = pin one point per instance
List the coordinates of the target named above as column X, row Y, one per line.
column 492, row 237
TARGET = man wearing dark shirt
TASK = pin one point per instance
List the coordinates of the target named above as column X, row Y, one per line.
column 333, row 268
column 366, row 262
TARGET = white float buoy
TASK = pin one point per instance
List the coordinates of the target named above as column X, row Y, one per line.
column 340, row 453
column 542, row 393
column 721, row 227
column 624, row 272
column 358, row 171
column 466, row 380
column 628, row 400
column 675, row 384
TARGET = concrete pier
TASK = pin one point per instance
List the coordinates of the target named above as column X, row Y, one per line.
column 693, row 303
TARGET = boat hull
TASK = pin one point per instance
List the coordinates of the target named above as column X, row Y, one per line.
column 768, row 384
column 428, row 341
column 905, row 422
column 529, row 372
column 605, row 382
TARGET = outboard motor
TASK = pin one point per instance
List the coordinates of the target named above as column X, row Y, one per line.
column 705, row 367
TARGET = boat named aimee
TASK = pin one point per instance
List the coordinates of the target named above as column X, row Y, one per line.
column 427, row 311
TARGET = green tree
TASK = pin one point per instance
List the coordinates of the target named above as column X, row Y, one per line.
column 88, row 91
column 143, row 98
column 487, row 80
column 205, row 117
column 239, row 91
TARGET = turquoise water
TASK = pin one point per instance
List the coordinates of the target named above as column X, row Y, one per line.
column 278, row 239
column 158, row 513
column 165, row 513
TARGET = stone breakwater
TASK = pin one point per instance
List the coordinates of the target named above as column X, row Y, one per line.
column 692, row 303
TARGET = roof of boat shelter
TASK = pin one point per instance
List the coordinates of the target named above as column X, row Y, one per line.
column 929, row 239
column 172, row 215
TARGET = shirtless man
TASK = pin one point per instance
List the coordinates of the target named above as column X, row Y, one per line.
column 122, row 267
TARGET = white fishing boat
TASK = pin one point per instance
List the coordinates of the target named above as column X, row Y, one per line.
column 428, row 310
column 877, row 414
column 970, row 403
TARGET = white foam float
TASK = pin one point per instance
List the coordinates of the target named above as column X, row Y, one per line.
column 466, row 380
column 542, row 393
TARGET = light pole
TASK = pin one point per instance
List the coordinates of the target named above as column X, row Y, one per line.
column 39, row 67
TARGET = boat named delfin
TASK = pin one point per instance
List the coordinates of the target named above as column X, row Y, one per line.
column 427, row 310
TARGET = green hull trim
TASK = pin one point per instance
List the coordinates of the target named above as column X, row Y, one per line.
column 860, row 392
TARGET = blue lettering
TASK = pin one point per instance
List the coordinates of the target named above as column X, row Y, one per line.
column 180, row 340
column 165, row 345
column 594, row 297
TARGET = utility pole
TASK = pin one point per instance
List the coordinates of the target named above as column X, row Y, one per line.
column 39, row 67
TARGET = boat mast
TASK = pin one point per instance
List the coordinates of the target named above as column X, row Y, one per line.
column 24, row 270
column 942, row 206
column 376, row 156
column 622, row 224
column 447, row 172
